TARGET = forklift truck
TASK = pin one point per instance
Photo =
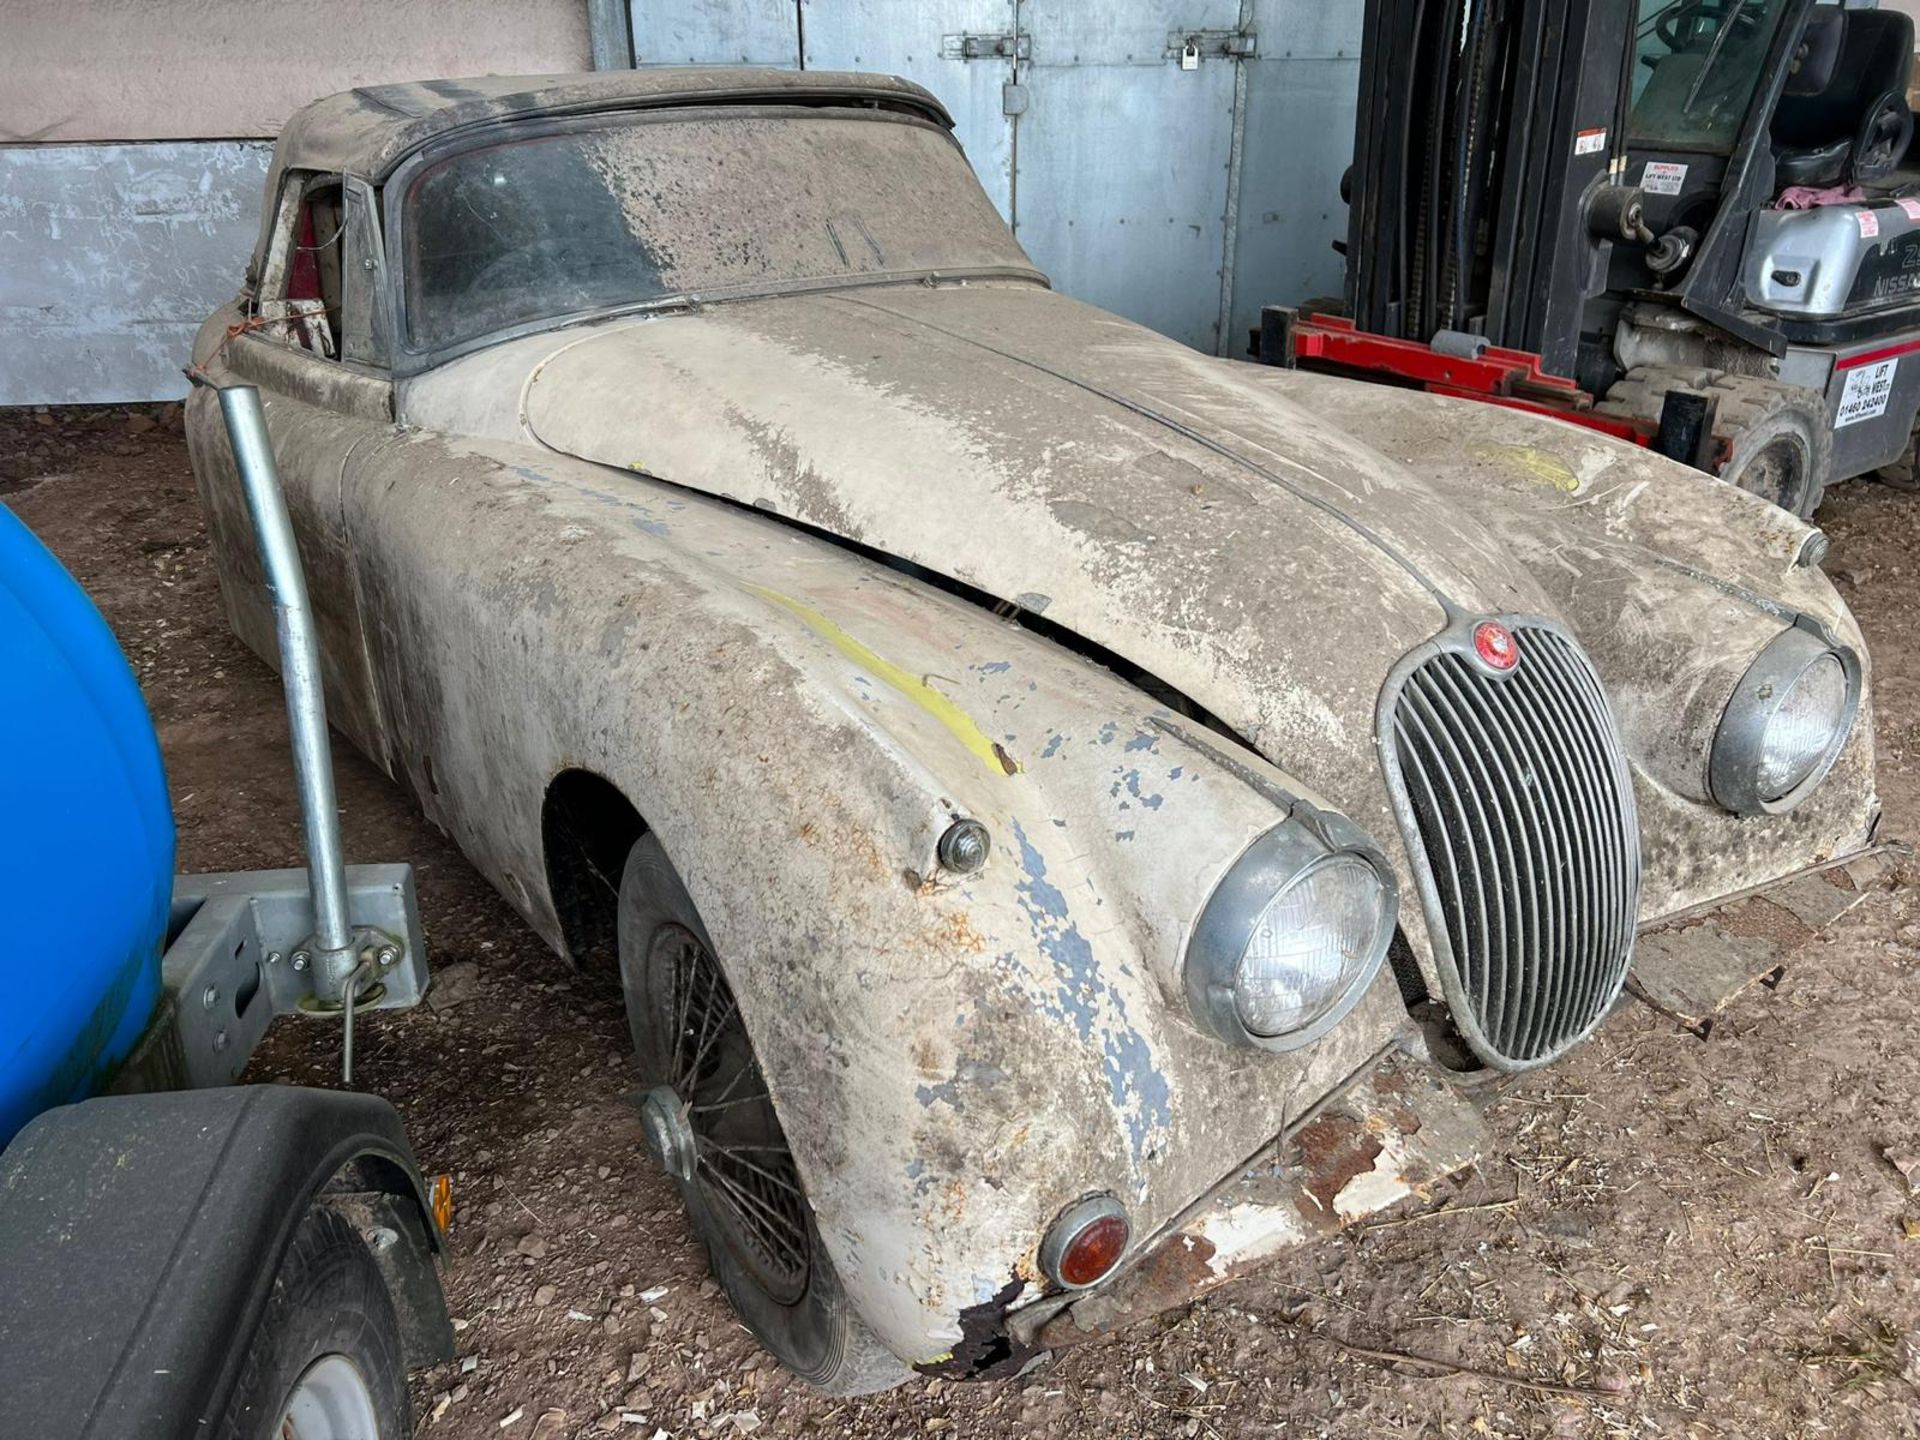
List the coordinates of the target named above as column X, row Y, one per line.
column 1691, row 224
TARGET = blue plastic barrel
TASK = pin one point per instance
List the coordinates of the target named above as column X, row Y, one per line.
column 86, row 840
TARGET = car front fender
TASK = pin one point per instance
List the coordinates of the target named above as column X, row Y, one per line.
column 955, row 1058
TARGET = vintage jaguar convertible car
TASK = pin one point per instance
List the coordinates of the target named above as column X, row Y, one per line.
column 1059, row 803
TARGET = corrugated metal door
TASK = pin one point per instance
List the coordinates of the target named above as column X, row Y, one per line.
column 1182, row 187
column 716, row 32
column 1124, row 156
column 1300, row 94
column 964, row 51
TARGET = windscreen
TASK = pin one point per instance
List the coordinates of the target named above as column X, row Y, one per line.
column 637, row 209
column 1697, row 65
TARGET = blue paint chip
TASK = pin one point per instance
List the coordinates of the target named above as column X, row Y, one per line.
column 996, row 667
column 1139, row 1092
column 1145, row 740
column 1053, row 747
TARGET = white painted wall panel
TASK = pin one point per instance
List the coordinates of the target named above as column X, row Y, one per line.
column 111, row 256
column 84, row 70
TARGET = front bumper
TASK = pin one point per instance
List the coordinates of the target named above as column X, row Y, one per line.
column 1392, row 1131
column 1400, row 1124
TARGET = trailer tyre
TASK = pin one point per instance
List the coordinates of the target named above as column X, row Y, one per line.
column 711, row 1123
column 1777, row 439
column 326, row 1361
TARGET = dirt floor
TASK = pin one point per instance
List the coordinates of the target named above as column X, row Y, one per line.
column 1671, row 1237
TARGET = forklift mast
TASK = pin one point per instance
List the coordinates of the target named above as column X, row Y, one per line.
column 1489, row 187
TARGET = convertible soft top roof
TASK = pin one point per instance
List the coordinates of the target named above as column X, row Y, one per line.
column 369, row 131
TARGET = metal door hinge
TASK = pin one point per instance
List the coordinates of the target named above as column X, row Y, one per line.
column 1009, row 46
column 1190, row 47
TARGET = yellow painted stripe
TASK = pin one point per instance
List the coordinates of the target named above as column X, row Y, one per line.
column 914, row 687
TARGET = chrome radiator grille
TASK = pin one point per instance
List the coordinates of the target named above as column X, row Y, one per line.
column 1518, row 807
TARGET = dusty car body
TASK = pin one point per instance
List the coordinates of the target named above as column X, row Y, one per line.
column 800, row 523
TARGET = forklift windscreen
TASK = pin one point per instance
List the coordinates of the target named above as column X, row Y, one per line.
column 1697, row 64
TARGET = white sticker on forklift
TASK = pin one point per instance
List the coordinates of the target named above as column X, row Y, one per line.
column 1912, row 207
column 1589, row 142
column 1663, row 177
column 1869, row 223
column 1868, row 389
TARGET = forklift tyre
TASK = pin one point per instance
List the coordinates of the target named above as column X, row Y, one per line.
column 327, row 1362
column 1776, row 437
column 1904, row 473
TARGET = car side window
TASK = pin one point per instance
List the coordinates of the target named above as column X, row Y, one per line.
column 298, row 299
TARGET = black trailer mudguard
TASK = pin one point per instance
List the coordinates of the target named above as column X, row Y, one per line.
column 140, row 1236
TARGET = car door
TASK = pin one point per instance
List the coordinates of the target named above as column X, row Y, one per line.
column 314, row 344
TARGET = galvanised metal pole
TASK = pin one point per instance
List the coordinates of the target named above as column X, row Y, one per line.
column 300, row 675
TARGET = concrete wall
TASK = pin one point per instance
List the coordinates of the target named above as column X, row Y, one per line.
column 111, row 254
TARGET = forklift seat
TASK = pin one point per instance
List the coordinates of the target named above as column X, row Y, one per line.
column 1851, row 124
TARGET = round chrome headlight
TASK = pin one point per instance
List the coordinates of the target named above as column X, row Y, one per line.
column 1786, row 724
column 1292, row 935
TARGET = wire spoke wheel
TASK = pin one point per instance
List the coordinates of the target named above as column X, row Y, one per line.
column 740, row 1162
column 709, row 1119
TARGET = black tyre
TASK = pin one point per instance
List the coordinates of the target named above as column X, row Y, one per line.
column 1904, row 473
column 326, row 1362
column 1780, row 447
column 711, row 1123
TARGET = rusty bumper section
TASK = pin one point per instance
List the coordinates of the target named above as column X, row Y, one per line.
column 1400, row 1124
column 1693, row 965
column 1390, row 1132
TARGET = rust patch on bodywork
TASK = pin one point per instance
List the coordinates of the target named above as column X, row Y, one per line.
column 1385, row 1137
column 985, row 1351
column 1333, row 1150
column 1171, row 1275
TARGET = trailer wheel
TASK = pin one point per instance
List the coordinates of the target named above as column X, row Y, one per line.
column 711, row 1123
column 1779, row 444
column 326, row 1362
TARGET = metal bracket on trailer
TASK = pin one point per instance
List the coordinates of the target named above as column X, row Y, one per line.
column 234, row 962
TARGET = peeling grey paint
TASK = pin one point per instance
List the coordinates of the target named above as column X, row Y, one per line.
column 111, row 256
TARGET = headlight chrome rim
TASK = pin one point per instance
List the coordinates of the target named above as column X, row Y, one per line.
column 1282, row 858
column 1733, row 767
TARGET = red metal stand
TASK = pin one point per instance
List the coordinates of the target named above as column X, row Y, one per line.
column 1512, row 379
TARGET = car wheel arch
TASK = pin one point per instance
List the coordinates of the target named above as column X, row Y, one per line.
column 587, row 826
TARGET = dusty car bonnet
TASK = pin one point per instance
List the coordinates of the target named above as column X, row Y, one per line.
column 1147, row 498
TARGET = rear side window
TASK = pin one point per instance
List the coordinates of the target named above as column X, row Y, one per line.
column 303, row 281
